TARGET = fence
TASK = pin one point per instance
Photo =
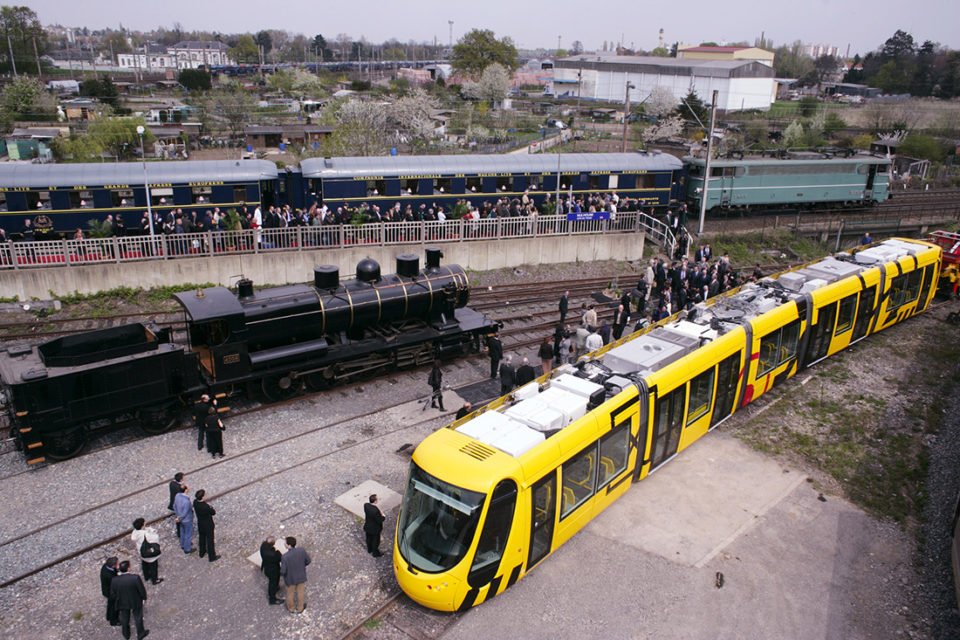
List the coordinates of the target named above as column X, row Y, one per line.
column 19, row 255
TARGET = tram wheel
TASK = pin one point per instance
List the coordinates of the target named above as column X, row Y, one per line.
column 65, row 445
column 282, row 387
column 157, row 420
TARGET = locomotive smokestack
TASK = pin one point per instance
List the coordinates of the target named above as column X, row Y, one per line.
column 326, row 276
column 433, row 257
column 245, row 288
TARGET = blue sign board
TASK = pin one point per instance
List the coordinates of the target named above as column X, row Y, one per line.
column 587, row 215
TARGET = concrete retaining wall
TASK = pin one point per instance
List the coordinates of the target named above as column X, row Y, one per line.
column 284, row 267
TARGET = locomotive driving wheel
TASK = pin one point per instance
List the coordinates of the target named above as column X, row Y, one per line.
column 321, row 380
column 156, row 420
column 64, row 445
column 281, row 387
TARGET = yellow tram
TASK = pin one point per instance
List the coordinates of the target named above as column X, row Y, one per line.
column 493, row 494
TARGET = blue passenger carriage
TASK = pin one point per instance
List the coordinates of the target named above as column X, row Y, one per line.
column 64, row 197
column 654, row 179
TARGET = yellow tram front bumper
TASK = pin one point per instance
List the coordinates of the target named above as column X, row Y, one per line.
column 438, row 591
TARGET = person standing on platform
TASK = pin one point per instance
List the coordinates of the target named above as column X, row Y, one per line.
column 508, row 376
column 175, row 486
column 200, row 412
column 184, row 511
column 564, row 305
column 293, row 568
column 270, row 565
column 525, row 373
column 107, row 573
column 373, row 525
column 495, row 350
column 205, row 525
column 436, row 383
column 129, row 594
column 546, row 355
column 214, row 433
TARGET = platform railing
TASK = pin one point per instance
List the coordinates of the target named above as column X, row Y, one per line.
column 17, row 255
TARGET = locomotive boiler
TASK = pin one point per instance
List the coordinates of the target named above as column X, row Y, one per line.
column 332, row 330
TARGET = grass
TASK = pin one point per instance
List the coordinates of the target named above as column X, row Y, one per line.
column 747, row 249
column 372, row 624
column 106, row 302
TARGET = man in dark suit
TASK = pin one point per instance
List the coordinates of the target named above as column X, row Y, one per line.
column 270, row 565
column 495, row 349
column 200, row 412
column 525, row 373
column 205, row 526
column 175, row 488
column 128, row 593
column 508, row 377
column 564, row 305
column 107, row 573
column 373, row 526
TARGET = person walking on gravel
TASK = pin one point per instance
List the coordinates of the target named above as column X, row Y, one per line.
column 293, row 568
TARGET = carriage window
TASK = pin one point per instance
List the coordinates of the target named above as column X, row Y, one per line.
column 3, row 201
column 80, row 199
column 579, row 474
column 239, row 194
column 614, row 451
column 778, row 347
column 121, row 197
column 505, row 183
column 474, row 184
column 646, row 181
column 411, row 186
column 201, row 195
column 161, row 196
column 441, row 185
column 376, row 187
column 701, row 393
column 913, row 285
column 845, row 316
column 38, row 200
column 535, row 182
column 599, row 183
column 313, row 185
column 864, row 310
column 925, row 290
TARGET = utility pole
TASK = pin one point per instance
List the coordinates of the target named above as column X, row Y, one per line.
column 626, row 116
column 37, row 57
column 13, row 63
column 450, row 22
column 706, row 167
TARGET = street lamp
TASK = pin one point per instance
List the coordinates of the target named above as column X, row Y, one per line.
column 626, row 116
column 146, row 184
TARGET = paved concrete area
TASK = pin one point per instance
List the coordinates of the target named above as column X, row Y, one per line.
column 353, row 499
column 793, row 566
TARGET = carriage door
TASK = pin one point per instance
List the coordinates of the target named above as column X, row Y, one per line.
column 543, row 518
column 667, row 424
column 268, row 193
column 871, row 176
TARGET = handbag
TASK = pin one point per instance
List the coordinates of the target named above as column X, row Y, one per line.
column 149, row 549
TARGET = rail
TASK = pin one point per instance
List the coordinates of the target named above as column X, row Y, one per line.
column 66, row 253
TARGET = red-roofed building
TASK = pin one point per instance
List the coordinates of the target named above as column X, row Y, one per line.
column 755, row 54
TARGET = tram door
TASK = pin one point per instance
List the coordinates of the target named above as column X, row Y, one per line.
column 542, row 519
column 667, row 424
column 819, row 342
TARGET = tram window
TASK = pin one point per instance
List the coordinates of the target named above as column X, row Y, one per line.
column 376, row 187
column 614, row 451
column 778, row 347
column 121, row 197
column 496, row 530
column 701, row 393
column 200, row 195
column 599, row 183
column 845, row 316
column 441, row 186
column 867, row 298
column 505, row 183
column 897, row 291
column 925, row 289
column 544, row 508
column 3, row 201
column 579, row 474
column 474, row 184
column 914, row 278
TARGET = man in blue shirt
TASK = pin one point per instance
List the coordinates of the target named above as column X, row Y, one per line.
column 184, row 510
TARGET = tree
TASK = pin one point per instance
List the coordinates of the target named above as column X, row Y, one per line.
column 808, row 106
column 833, row 123
column 792, row 62
column 825, row 67
column 667, row 128
column 118, row 136
column 233, row 106
column 264, row 40
column 793, row 134
column 492, row 87
column 77, row 148
column 245, row 49
column 660, row 102
column 361, row 129
column 26, row 99
column 479, row 48
column 691, row 108
column 576, row 48
column 899, row 46
column 195, row 79
column 410, row 115
column 922, row 147
column 320, row 47
column 660, row 52
column 21, row 27
column 115, row 43
column 108, row 92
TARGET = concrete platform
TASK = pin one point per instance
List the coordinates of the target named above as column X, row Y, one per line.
column 354, row 499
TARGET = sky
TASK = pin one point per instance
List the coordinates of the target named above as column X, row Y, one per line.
column 862, row 24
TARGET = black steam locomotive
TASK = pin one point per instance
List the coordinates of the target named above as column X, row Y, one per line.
column 277, row 340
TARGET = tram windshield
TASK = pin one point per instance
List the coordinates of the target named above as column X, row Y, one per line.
column 437, row 522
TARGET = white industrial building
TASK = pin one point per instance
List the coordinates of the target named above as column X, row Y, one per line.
column 742, row 84
column 183, row 55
